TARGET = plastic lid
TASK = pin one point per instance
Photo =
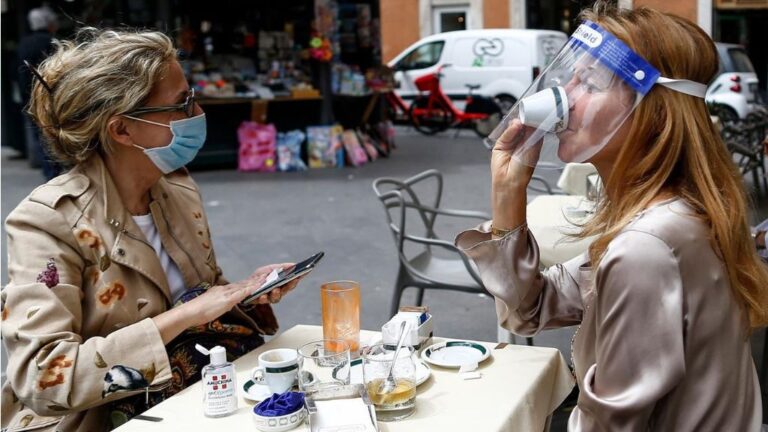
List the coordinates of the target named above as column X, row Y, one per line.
column 218, row 355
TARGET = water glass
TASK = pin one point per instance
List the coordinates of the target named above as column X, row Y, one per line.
column 400, row 402
column 321, row 368
column 341, row 314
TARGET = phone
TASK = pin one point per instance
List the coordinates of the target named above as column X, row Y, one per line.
column 285, row 276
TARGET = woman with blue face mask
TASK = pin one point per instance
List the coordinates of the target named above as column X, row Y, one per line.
column 113, row 275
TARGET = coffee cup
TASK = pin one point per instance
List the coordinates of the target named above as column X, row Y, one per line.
column 546, row 110
column 278, row 369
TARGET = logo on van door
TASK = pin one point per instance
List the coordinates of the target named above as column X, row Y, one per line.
column 486, row 50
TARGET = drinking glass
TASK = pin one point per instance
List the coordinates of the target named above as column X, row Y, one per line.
column 401, row 401
column 321, row 368
column 341, row 314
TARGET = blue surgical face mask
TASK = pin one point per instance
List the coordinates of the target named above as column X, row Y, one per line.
column 188, row 138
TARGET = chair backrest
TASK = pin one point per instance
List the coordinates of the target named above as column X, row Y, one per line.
column 414, row 195
column 398, row 196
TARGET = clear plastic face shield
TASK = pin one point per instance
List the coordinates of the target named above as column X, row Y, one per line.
column 579, row 102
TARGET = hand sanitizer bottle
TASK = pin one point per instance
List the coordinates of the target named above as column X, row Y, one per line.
column 219, row 383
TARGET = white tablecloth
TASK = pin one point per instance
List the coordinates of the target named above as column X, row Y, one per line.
column 519, row 388
column 548, row 219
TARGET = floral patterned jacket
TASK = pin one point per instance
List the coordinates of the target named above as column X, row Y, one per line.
column 84, row 284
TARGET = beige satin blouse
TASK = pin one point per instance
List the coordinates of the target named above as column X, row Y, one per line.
column 662, row 346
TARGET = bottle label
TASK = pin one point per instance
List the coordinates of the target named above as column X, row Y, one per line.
column 220, row 396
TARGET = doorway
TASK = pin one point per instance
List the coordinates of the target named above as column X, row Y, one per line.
column 445, row 19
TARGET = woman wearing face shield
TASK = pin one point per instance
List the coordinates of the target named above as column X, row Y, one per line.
column 670, row 289
column 113, row 275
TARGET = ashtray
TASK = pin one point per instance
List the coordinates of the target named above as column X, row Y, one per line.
column 280, row 423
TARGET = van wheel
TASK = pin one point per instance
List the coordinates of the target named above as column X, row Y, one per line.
column 505, row 102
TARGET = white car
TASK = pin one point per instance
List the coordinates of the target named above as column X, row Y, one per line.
column 735, row 85
column 503, row 62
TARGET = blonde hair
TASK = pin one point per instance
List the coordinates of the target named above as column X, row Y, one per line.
column 97, row 75
column 673, row 147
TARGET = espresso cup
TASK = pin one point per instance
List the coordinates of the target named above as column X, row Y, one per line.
column 278, row 369
column 547, row 110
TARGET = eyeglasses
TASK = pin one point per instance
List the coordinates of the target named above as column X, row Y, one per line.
column 188, row 107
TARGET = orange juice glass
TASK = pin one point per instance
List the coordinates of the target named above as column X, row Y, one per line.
column 341, row 314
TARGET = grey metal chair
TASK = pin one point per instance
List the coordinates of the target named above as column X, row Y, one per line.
column 420, row 267
column 540, row 184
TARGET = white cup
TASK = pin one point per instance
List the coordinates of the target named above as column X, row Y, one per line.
column 278, row 369
column 546, row 109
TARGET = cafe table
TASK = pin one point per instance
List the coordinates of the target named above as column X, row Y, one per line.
column 550, row 219
column 519, row 388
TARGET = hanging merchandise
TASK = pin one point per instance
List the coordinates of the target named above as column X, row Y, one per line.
column 320, row 48
column 257, row 147
column 581, row 100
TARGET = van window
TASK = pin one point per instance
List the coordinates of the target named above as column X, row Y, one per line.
column 740, row 61
column 489, row 52
column 423, row 56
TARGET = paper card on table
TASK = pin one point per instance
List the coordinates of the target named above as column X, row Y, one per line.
column 470, row 375
column 342, row 415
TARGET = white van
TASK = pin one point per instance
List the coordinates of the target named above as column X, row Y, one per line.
column 503, row 62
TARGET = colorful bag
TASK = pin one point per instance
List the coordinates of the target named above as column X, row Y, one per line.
column 368, row 145
column 257, row 147
column 289, row 151
column 324, row 146
column 355, row 152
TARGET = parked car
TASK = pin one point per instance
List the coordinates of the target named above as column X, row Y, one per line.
column 735, row 85
column 503, row 62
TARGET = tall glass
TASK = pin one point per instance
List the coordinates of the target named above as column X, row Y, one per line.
column 341, row 314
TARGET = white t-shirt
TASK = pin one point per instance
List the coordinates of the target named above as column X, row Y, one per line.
column 172, row 272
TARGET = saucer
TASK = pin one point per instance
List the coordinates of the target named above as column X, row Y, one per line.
column 257, row 392
column 455, row 354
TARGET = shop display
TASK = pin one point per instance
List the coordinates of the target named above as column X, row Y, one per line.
column 291, row 65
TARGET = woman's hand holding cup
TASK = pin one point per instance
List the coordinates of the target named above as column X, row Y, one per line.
column 511, row 171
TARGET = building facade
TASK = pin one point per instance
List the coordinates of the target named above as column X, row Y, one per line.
column 406, row 21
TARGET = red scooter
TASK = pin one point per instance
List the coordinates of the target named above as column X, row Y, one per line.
column 432, row 111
